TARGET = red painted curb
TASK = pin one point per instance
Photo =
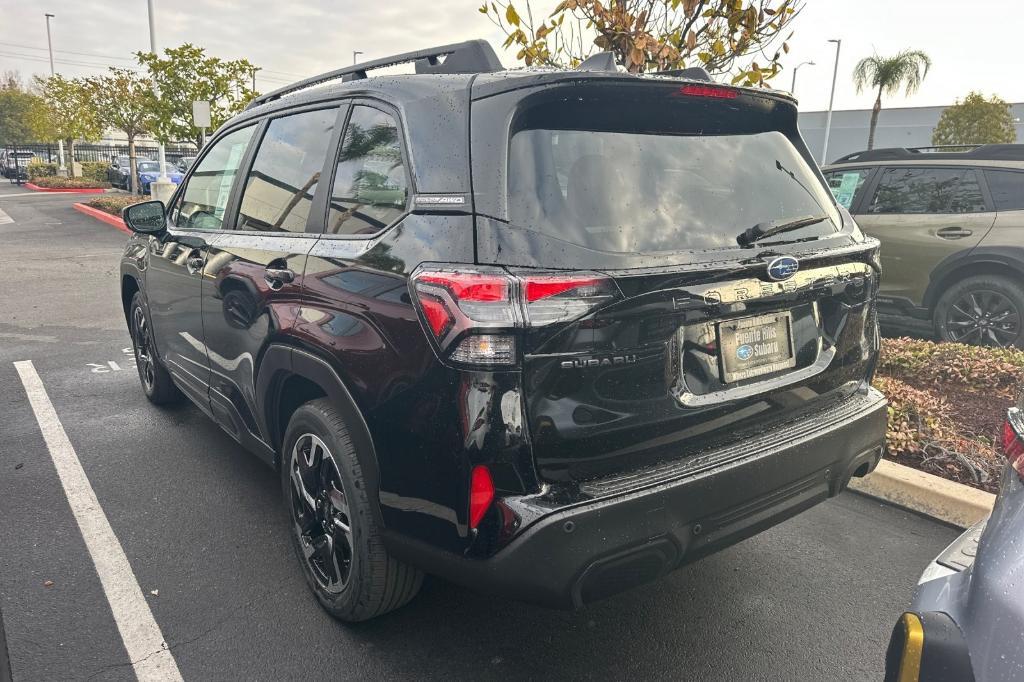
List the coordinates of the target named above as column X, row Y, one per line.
column 72, row 190
column 102, row 215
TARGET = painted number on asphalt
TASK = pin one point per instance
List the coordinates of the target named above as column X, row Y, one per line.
column 127, row 362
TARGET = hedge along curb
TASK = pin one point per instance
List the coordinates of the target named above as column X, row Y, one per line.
column 102, row 215
column 69, row 190
column 947, row 501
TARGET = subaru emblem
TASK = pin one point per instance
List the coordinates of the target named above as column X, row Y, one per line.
column 782, row 268
column 745, row 352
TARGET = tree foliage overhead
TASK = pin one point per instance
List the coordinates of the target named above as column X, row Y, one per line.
column 976, row 120
column 185, row 75
column 735, row 37
column 70, row 109
column 124, row 101
column 22, row 112
column 887, row 75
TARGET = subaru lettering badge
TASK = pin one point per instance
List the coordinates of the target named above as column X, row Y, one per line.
column 782, row 268
column 744, row 352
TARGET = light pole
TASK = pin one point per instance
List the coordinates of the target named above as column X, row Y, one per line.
column 831, row 99
column 355, row 55
column 792, row 89
column 61, row 169
column 162, row 188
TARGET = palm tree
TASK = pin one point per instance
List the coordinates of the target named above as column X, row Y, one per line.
column 887, row 74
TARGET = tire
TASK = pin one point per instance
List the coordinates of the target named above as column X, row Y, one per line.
column 155, row 380
column 349, row 571
column 984, row 310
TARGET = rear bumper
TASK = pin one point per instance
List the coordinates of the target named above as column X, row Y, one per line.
column 594, row 549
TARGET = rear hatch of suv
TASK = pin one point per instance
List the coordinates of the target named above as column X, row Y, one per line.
column 652, row 330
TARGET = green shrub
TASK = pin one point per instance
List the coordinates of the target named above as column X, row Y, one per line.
column 95, row 170
column 40, row 169
column 113, row 203
column 57, row 182
column 976, row 368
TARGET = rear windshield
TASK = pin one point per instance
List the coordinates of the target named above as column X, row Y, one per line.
column 625, row 191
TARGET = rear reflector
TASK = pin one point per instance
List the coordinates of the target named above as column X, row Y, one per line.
column 481, row 494
column 1013, row 447
column 709, row 91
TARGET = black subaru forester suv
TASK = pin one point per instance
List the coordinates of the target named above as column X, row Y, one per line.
column 547, row 334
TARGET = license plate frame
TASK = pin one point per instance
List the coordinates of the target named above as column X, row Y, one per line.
column 766, row 341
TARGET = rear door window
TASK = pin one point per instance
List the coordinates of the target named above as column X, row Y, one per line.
column 371, row 188
column 205, row 196
column 1007, row 189
column 279, row 189
column 847, row 185
column 629, row 191
column 928, row 190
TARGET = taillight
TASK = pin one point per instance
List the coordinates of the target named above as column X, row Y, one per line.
column 714, row 91
column 481, row 494
column 473, row 313
column 560, row 298
column 1013, row 446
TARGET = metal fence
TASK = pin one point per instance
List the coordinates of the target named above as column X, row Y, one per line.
column 103, row 152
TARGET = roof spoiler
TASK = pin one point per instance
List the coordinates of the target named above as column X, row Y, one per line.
column 471, row 56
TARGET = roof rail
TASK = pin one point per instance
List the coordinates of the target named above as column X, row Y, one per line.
column 987, row 152
column 471, row 56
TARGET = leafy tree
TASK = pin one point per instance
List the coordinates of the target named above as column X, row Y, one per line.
column 887, row 74
column 185, row 75
column 124, row 99
column 71, row 111
column 653, row 35
column 975, row 120
column 21, row 111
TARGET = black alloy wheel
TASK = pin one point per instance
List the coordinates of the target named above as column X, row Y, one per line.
column 143, row 343
column 983, row 310
column 320, row 513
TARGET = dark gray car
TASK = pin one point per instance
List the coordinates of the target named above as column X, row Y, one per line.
column 967, row 616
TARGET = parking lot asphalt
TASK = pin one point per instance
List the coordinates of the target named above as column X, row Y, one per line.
column 201, row 524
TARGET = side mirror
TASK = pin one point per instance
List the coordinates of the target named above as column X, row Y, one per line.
column 149, row 217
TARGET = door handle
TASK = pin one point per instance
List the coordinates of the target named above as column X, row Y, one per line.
column 194, row 262
column 954, row 233
column 278, row 277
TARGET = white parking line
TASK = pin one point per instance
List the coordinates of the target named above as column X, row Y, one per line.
column 141, row 635
column 4, row 218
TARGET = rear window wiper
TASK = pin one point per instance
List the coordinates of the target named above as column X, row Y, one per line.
column 773, row 227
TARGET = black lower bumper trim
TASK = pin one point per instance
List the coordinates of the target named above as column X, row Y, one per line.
column 595, row 549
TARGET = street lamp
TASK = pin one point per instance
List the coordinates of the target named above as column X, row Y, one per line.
column 355, row 54
column 61, row 170
column 831, row 99
column 162, row 188
column 792, row 90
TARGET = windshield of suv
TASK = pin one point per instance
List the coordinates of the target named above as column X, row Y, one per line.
column 642, row 192
column 153, row 167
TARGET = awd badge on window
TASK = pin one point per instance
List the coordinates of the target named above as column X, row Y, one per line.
column 782, row 268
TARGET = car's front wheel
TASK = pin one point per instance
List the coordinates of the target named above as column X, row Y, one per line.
column 984, row 310
column 336, row 538
column 156, row 382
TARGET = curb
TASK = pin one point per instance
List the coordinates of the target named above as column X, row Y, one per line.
column 66, row 190
column 102, row 216
column 933, row 496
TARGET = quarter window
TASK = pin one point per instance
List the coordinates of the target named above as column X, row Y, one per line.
column 279, row 189
column 206, row 195
column 846, row 184
column 928, row 190
column 1007, row 188
column 370, row 187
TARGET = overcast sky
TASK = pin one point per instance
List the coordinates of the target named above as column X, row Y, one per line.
column 974, row 44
